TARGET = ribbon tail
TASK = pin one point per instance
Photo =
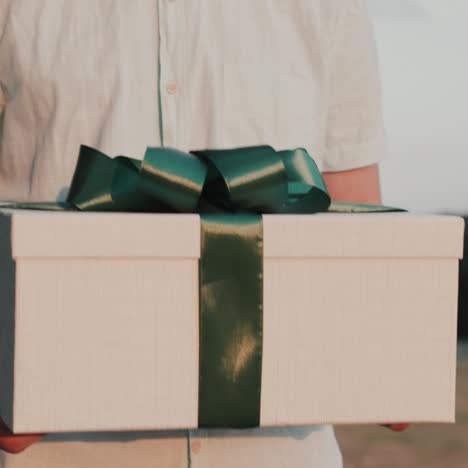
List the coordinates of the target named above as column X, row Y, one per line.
column 47, row 206
column 342, row 207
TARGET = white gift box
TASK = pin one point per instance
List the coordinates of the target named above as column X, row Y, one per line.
column 99, row 319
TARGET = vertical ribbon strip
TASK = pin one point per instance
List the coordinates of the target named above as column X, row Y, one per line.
column 231, row 320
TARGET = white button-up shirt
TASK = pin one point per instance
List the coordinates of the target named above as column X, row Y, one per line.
column 121, row 75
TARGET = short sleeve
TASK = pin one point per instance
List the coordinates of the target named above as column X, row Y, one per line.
column 3, row 15
column 5, row 6
column 354, row 133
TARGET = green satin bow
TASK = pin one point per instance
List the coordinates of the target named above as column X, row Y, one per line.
column 230, row 189
column 253, row 179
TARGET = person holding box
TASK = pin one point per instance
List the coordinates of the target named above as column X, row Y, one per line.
column 120, row 76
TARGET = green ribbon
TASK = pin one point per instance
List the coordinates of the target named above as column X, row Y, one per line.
column 230, row 189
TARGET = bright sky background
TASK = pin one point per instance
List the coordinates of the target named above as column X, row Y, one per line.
column 423, row 49
column 444, row 8
column 428, row 8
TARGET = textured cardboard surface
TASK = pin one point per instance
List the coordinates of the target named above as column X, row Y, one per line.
column 100, row 328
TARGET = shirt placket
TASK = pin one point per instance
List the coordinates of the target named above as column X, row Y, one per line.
column 171, row 63
column 172, row 108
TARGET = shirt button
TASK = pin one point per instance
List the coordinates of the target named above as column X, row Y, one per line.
column 196, row 446
column 172, row 87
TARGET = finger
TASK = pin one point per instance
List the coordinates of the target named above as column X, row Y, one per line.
column 397, row 427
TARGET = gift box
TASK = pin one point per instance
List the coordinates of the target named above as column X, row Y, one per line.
column 100, row 321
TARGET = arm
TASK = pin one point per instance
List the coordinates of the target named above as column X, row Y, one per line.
column 355, row 186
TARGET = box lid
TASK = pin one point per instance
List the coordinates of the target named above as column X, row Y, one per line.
column 73, row 234
column 77, row 234
column 364, row 235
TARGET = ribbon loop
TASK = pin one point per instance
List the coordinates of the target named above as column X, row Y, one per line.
column 91, row 187
column 173, row 177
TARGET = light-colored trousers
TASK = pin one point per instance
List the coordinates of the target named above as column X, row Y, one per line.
column 311, row 447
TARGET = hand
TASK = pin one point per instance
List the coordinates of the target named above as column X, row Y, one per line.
column 399, row 427
column 12, row 443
